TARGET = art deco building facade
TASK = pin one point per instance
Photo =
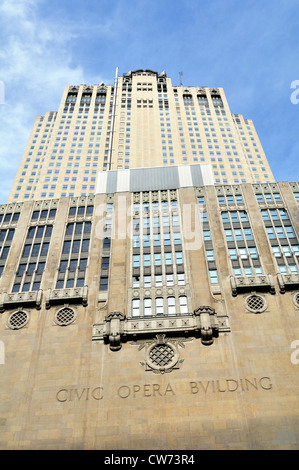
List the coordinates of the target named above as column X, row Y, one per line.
column 160, row 312
column 142, row 120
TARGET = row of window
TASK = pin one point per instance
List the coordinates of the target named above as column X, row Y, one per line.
column 159, row 307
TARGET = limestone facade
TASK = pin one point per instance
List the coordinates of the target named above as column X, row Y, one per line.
column 151, row 320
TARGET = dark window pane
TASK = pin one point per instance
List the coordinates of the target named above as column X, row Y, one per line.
column 79, row 227
column 40, row 232
column 107, row 242
column 31, row 232
column 21, row 269
column 31, row 268
column 104, row 283
column 63, row 266
column 5, row 252
column 7, row 218
column 36, row 286
column 85, row 245
column 83, row 264
column 70, row 283
column 80, row 282
column 52, row 213
column 69, row 229
column 2, row 235
column 72, row 211
column 76, row 246
column 40, row 268
column 81, row 210
column 73, row 264
column 59, row 284
column 45, row 248
column 35, row 249
column 105, row 263
column 26, row 251
column 10, row 234
column 87, row 227
column 66, row 247
column 49, row 229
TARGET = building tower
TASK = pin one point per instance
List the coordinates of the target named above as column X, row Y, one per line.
column 143, row 120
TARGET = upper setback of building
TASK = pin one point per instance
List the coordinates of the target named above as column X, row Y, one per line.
column 140, row 121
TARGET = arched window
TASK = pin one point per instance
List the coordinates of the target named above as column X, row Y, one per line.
column 171, row 305
column 183, row 304
column 147, row 307
column 159, row 306
column 135, row 307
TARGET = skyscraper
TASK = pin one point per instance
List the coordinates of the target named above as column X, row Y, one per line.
column 158, row 308
column 142, row 120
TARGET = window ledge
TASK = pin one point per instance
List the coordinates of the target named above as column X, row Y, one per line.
column 203, row 323
column 31, row 298
column 247, row 283
column 61, row 296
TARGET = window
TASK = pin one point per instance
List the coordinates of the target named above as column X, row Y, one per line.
column 159, row 306
column 183, row 304
column 171, row 305
column 105, row 262
column 104, row 283
column 179, row 257
column 168, row 258
column 136, row 261
column 147, row 307
column 157, row 259
column 135, row 307
column 213, row 276
column 146, row 260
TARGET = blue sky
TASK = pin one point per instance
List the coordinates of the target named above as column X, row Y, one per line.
column 250, row 48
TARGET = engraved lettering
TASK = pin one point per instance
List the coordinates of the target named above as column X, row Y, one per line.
column 230, row 385
column 219, row 387
column 169, row 390
column 97, row 393
column 124, row 391
column 194, row 388
column 253, row 384
column 156, row 388
column 136, row 389
column 205, row 388
column 235, row 385
column 269, row 383
column 60, row 395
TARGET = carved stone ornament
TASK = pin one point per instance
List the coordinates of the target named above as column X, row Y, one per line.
column 115, row 328
column 203, row 323
column 161, row 354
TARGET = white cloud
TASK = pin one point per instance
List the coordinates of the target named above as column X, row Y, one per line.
column 36, row 66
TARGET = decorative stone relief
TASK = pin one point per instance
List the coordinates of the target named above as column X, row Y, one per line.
column 161, row 353
column 203, row 324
